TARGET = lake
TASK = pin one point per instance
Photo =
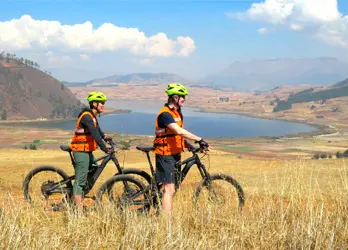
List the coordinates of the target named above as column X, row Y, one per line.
column 141, row 121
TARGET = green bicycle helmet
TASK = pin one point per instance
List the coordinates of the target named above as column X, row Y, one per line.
column 96, row 97
column 176, row 89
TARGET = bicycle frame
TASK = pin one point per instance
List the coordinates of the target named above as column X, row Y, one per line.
column 93, row 173
column 97, row 169
column 179, row 174
column 189, row 162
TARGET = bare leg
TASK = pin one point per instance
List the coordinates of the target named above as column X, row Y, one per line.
column 168, row 194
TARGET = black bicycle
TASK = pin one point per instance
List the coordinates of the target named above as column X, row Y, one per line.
column 54, row 186
column 143, row 198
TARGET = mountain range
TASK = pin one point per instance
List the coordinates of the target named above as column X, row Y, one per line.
column 267, row 74
column 253, row 75
column 147, row 79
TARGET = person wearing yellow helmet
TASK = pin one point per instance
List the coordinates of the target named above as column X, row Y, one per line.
column 88, row 136
column 170, row 140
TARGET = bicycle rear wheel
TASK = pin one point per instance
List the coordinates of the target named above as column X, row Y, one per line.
column 221, row 191
column 124, row 192
column 47, row 186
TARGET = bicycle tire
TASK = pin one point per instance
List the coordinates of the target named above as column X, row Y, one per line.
column 223, row 177
column 107, row 186
column 138, row 172
column 40, row 169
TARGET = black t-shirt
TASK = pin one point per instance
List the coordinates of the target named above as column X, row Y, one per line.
column 166, row 118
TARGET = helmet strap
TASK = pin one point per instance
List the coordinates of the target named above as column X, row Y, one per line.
column 177, row 104
column 95, row 108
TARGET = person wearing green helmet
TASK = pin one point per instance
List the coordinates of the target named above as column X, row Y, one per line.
column 88, row 136
column 170, row 141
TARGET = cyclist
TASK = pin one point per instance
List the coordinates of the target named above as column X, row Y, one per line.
column 88, row 136
column 169, row 142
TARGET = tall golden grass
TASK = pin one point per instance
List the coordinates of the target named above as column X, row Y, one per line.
column 299, row 204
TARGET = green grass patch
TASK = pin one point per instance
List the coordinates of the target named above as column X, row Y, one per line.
column 292, row 150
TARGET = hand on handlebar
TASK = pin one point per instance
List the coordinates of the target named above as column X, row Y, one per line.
column 107, row 138
column 203, row 145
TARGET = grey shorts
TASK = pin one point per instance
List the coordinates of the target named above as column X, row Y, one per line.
column 165, row 167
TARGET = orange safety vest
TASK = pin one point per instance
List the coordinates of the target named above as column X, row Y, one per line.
column 166, row 141
column 83, row 140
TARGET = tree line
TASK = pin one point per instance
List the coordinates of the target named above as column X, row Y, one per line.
column 8, row 57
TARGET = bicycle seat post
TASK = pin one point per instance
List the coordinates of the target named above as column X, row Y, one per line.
column 150, row 163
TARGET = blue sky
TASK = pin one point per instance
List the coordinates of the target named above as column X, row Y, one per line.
column 216, row 34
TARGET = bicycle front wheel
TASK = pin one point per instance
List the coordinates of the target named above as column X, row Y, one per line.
column 48, row 186
column 222, row 192
column 124, row 192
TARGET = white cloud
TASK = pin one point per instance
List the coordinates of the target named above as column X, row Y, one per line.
column 84, row 57
column 319, row 18
column 146, row 61
column 58, row 60
column 28, row 33
column 296, row 27
column 262, row 31
column 187, row 45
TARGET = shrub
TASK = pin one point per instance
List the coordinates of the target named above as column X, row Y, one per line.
column 339, row 155
column 316, row 156
column 345, row 153
column 31, row 146
column 125, row 145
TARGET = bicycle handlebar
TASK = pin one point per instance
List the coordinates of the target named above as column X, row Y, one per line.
column 195, row 150
column 189, row 146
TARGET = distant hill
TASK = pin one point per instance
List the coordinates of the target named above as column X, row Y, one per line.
column 267, row 74
column 339, row 89
column 26, row 92
column 134, row 79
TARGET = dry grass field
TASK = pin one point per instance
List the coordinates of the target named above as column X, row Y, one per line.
column 290, row 204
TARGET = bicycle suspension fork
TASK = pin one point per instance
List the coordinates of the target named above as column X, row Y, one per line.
column 202, row 170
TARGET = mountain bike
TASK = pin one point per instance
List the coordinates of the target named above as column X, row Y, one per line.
column 58, row 189
column 152, row 193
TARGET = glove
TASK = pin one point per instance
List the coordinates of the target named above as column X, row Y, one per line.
column 202, row 143
column 107, row 138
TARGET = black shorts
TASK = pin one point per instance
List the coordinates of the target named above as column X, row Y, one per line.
column 165, row 166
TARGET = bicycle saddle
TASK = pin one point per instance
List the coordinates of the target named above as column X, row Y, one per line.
column 145, row 149
column 65, row 148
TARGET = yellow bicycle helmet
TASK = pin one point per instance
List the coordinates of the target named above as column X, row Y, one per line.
column 176, row 89
column 96, row 97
